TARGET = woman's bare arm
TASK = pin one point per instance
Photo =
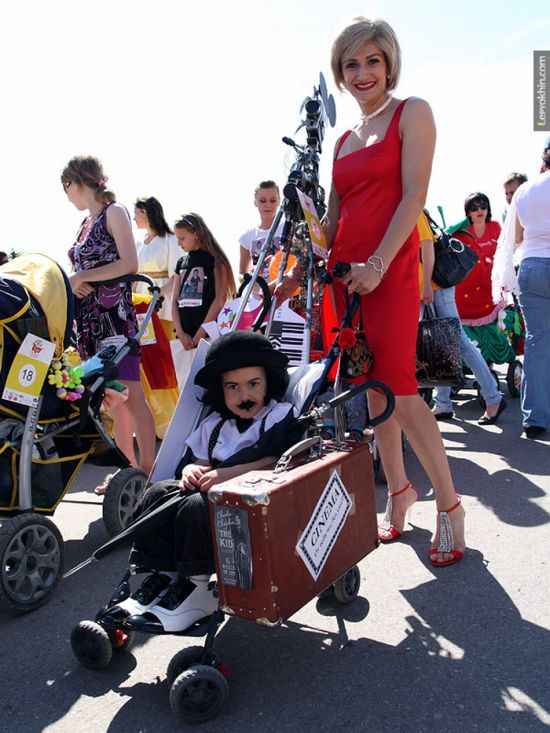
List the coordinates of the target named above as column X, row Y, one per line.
column 417, row 129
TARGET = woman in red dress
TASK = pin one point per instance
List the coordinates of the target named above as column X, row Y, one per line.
column 380, row 178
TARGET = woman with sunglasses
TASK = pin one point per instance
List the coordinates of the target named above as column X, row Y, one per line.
column 104, row 314
column 476, row 309
column 473, row 296
column 478, row 313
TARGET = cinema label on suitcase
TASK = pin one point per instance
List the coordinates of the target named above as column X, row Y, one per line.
column 234, row 549
column 322, row 530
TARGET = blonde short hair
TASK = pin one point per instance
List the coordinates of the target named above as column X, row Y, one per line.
column 363, row 30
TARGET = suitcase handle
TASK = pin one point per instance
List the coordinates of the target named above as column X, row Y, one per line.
column 295, row 450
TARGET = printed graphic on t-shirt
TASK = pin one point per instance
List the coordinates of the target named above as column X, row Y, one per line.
column 192, row 287
column 257, row 244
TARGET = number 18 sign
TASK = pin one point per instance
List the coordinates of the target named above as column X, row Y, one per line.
column 28, row 370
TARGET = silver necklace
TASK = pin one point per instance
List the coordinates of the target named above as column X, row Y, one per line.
column 380, row 109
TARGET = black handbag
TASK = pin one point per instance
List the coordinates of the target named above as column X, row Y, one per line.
column 438, row 360
column 454, row 261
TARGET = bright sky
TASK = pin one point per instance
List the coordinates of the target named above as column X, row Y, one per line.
column 188, row 101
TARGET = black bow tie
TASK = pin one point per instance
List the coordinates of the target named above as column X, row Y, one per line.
column 243, row 423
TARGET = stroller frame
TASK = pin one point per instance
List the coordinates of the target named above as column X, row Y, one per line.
column 31, row 546
column 196, row 675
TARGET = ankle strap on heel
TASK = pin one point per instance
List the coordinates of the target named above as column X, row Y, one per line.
column 455, row 506
column 402, row 491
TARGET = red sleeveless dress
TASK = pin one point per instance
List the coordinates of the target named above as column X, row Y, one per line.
column 368, row 182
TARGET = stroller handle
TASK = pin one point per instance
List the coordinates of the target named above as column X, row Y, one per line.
column 266, row 298
column 358, row 389
column 131, row 278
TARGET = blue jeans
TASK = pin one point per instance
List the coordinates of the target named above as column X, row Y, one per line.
column 445, row 306
column 534, row 298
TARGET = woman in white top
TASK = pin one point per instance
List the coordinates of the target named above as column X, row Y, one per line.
column 532, row 204
column 157, row 254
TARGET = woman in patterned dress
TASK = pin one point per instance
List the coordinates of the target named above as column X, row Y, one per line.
column 104, row 250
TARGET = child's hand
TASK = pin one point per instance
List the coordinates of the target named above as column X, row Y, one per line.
column 201, row 333
column 213, row 476
column 186, row 340
column 191, row 476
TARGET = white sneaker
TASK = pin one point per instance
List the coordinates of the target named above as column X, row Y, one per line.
column 184, row 603
column 145, row 596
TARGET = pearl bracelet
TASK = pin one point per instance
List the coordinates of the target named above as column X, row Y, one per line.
column 377, row 264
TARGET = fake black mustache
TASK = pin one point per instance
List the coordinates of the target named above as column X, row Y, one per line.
column 246, row 405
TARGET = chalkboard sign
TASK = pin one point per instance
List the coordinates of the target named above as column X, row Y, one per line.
column 234, row 549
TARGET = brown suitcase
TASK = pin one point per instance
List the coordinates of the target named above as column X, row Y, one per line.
column 326, row 506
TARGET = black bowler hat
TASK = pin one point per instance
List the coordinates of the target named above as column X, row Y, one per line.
column 236, row 350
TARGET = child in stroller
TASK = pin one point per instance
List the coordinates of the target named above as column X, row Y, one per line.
column 173, row 541
column 245, row 380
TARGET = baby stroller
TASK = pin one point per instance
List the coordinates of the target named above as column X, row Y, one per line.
column 42, row 446
column 500, row 342
column 260, row 514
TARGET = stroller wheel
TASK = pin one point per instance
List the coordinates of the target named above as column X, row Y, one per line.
column 121, row 497
column 346, row 588
column 91, row 645
column 198, row 694
column 513, row 377
column 31, row 561
column 184, row 659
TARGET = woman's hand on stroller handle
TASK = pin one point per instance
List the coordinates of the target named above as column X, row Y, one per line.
column 362, row 277
column 79, row 286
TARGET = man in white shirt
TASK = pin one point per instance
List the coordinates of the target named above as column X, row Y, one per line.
column 532, row 202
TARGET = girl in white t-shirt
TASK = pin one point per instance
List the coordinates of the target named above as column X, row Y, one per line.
column 266, row 200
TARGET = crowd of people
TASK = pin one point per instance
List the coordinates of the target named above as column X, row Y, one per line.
column 381, row 174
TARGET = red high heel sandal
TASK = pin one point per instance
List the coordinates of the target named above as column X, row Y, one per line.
column 392, row 533
column 446, row 539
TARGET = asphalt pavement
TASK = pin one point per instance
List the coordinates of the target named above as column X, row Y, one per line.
column 464, row 648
